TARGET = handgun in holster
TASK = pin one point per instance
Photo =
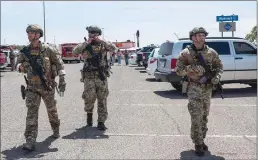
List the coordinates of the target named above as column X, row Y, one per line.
column 184, row 83
column 23, row 91
column 23, row 88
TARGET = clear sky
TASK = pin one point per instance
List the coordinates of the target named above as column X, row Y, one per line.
column 157, row 21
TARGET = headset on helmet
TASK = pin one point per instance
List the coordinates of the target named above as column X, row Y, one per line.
column 197, row 30
column 35, row 28
column 94, row 29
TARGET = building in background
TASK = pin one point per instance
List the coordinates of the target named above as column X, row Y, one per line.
column 124, row 45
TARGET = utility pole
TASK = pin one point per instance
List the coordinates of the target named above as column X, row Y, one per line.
column 44, row 21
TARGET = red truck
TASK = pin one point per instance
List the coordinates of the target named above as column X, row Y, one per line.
column 67, row 55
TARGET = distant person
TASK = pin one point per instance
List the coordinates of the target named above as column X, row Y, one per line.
column 119, row 57
column 126, row 54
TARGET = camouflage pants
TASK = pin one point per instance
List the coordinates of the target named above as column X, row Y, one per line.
column 94, row 89
column 199, row 106
column 33, row 100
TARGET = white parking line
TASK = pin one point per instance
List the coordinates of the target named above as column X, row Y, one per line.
column 168, row 135
column 178, row 105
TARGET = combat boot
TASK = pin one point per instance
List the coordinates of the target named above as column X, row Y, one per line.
column 199, row 150
column 205, row 147
column 89, row 119
column 55, row 128
column 29, row 145
column 101, row 126
column 56, row 133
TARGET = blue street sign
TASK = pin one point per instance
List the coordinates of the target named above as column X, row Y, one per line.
column 227, row 26
column 227, row 18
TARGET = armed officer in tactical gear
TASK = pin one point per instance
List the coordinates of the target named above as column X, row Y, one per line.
column 94, row 74
column 42, row 64
column 193, row 62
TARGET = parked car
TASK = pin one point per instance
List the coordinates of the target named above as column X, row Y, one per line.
column 152, row 61
column 142, row 56
column 3, row 60
column 132, row 58
column 237, row 55
column 7, row 53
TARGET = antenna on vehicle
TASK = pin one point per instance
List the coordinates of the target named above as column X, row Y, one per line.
column 176, row 35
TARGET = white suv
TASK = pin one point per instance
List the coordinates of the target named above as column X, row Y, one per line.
column 237, row 55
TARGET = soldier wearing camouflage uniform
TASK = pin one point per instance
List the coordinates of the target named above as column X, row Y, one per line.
column 200, row 88
column 39, row 54
column 94, row 87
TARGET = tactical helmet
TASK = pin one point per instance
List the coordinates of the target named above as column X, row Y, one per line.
column 35, row 28
column 197, row 30
column 93, row 29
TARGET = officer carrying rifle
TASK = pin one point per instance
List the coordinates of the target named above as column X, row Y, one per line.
column 94, row 74
column 203, row 69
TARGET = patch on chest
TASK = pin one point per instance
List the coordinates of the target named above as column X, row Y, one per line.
column 96, row 49
column 34, row 52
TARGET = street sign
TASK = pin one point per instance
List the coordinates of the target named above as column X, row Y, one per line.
column 227, row 26
column 227, row 18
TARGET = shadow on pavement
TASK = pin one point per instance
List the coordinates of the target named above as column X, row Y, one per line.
column 139, row 69
column 86, row 132
column 143, row 72
column 151, row 80
column 172, row 94
column 40, row 149
column 190, row 155
column 238, row 92
column 227, row 93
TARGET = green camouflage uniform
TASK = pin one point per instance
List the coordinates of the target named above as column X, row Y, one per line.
column 94, row 88
column 52, row 66
column 199, row 95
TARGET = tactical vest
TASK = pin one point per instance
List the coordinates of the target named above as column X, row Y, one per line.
column 94, row 63
column 40, row 59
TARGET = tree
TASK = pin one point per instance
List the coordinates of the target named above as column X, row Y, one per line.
column 252, row 36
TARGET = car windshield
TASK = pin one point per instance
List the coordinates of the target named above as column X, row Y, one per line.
column 166, row 48
column 146, row 49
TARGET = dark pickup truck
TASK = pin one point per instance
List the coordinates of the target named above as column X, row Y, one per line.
column 143, row 55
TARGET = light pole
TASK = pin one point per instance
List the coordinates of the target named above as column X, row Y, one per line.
column 44, row 21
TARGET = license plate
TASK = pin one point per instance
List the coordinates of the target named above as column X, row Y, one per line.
column 162, row 63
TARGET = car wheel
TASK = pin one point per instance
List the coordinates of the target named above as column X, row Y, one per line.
column 177, row 86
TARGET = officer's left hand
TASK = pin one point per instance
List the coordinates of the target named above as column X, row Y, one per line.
column 62, row 84
column 215, row 80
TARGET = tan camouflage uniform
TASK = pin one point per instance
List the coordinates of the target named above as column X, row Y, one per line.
column 94, row 88
column 199, row 95
column 52, row 66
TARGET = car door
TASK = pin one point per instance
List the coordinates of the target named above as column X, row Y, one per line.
column 152, row 62
column 227, row 58
column 245, row 61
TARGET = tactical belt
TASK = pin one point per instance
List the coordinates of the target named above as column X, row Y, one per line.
column 197, row 83
column 33, row 91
